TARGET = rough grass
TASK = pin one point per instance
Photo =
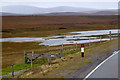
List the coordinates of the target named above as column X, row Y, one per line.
column 18, row 67
column 71, row 52
column 39, row 26
column 22, row 66
column 91, row 53
column 13, row 53
column 36, row 21
column 18, row 57
column 88, row 50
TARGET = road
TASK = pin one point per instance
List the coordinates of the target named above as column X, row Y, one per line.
column 107, row 69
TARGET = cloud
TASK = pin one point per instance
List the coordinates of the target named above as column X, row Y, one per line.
column 59, row 0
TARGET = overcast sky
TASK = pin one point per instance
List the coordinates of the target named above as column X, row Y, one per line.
column 98, row 4
column 59, row 0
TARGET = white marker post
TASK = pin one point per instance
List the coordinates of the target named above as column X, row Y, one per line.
column 82, row 50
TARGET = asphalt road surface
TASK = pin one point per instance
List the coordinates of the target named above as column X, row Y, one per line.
column 107, row 69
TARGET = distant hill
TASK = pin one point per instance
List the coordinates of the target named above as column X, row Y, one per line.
column 69, row 9
column 107, row 12
column 8, row 14
column 80, row 13
column 65, row 13
column 62, row 10
column 21, row 9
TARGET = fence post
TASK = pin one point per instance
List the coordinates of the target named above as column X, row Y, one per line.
column 31, row 59
column 43, row 57
column 12, row 70
column 76, row 46
column 48, row 59
column 110, row 34
column 62, row 47
column 61, row 54
column 71, row 47
column 100, row 38
column 25, row 56
column 89, row 41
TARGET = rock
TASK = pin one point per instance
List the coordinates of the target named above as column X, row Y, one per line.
column 56, row 65
column 63, row 59
column 55, row 61
column 29, row 73
column 71, row 57
column 44, row 66
column 50, row 66
column 45, row 71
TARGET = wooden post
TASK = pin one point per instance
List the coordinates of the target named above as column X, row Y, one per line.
column 100, row 38
column 43, row 56
column 48, row 59
column 12, row 70
column 110, row 34
column 76, row 46
column 31, row 59
column 89, row 41
column 62, row 50
column 62, row 47
column 25, row 56
column 71, row 47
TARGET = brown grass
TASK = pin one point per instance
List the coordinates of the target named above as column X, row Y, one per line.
column 13, row 53
column 39, row 26
column 40, row 21
column 68, row 67
column 36, row 26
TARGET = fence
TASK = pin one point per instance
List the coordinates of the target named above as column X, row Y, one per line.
column 35, row 57
column 49, row 55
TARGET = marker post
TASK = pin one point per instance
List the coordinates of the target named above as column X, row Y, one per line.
column 82, row 50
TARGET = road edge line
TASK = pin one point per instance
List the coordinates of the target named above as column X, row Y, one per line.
column 114, row 53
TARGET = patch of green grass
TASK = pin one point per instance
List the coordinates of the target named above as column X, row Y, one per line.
column 104, row 43
column 18, row 67
column 22, row 66
column 71, row 52
column 78, row 50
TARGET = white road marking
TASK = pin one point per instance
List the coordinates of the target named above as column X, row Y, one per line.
column 114, row 53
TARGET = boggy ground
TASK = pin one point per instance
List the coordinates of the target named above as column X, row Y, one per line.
column 13, row 53
column 40, row 26
column 70, row 64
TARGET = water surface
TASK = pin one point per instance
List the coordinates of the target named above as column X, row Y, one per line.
column 81, row 37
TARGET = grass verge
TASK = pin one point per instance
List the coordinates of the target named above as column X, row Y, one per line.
column 22, row 66
column 18, row 67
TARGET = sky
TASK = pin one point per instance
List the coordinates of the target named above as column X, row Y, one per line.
column 59, row 0
column 98, row 4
